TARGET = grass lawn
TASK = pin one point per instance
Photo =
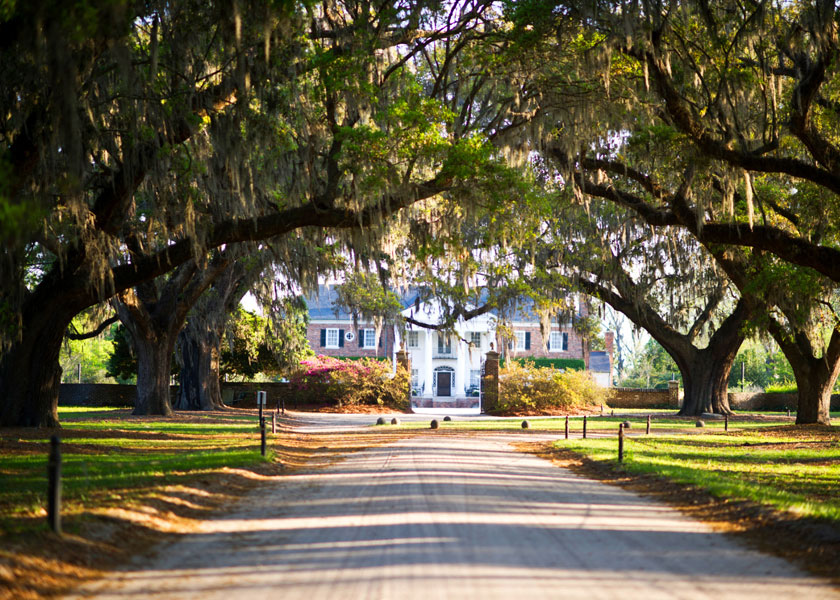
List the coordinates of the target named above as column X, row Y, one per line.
column 107, row 456
column 786, row 467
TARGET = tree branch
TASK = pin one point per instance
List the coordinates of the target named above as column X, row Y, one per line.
column 75, row 335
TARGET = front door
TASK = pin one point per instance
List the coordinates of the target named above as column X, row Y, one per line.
column 444, row 381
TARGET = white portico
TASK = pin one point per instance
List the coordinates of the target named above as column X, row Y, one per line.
column 446, row 365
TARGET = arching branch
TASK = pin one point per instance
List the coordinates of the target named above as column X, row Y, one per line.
column 72, row 334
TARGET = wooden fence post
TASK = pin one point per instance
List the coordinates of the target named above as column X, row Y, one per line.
column 567, row 427
column 54, row 485
column 621, row 442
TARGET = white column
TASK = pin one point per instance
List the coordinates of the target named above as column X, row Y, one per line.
column 395, row 349
column 460, row 390
column 427, row 364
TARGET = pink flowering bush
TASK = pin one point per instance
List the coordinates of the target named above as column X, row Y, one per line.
column 347, row 383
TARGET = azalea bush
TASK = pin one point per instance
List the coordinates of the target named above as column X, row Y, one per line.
column 524, row 388
column 345, row 383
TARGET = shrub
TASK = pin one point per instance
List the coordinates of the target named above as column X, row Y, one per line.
column 524, row 388
column 328, row 380
column 785, row 387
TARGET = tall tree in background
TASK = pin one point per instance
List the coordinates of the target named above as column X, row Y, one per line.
column 663, row 282
column 799, row 309
column 153, row 314
column 199, row 342
column 793, row 304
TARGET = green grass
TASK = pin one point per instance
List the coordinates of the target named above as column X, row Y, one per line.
column 786, row 468
column 106, row 450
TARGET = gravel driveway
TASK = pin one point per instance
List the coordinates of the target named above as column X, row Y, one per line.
column 450, row 516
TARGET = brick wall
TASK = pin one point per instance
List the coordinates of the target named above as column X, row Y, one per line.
column 763, row 401
column 240, row 395
column 644, row 398
column 575, row 348
column 350, row 348
column 97, row 394
column 244, row 395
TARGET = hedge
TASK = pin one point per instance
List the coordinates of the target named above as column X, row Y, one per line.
column 571, row 364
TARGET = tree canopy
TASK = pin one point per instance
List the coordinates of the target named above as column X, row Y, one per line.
column 657, row 155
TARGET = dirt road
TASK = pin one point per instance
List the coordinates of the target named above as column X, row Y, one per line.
column 449, row 516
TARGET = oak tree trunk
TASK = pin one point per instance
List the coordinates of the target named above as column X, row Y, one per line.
column 705, row 372
column 154, row 366
column 814, row 399
column 199, row 378
column 30, row 377
column 30, row 374
column 705, row 380
column 815, row 378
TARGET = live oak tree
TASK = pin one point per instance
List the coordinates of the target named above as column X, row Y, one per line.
column 220, row 338
column 153, row 314
column 793, row 304
column 126, row 119
column 662, row 281
column 199, row 342
column 799, row 309
column 716, row 119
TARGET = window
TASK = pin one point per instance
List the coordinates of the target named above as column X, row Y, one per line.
column 475, row 378
column 413, row 339
column 332, row 338
column 559, row 342
column 415, row 378
column 444, row 344
column 368, row 338
column 521, row 341
column 475, row 339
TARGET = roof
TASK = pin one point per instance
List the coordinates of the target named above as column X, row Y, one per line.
column 322, row 305
column 599, row 362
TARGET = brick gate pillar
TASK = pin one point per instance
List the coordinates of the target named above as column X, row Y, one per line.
column 490, row 382
column 674, row 393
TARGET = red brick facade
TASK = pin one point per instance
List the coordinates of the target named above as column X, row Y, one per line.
column 385, row 348
column 539, row 347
